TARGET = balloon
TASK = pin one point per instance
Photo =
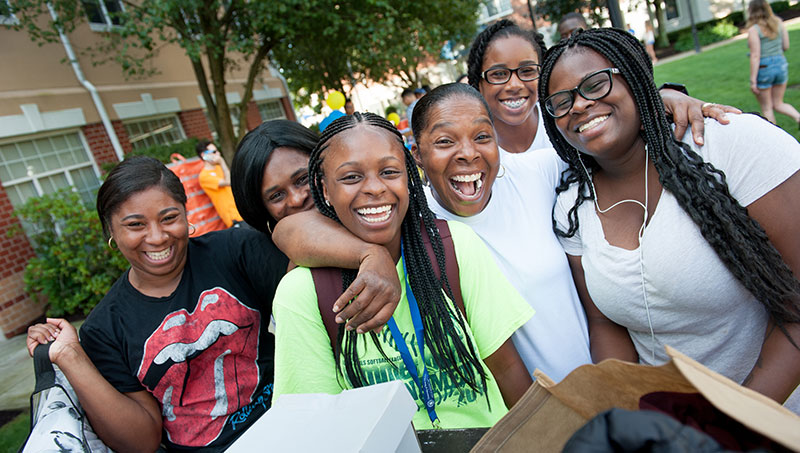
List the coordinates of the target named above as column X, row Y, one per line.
column 335, row 100
column 394, row 118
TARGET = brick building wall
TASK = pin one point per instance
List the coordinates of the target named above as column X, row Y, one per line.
column 17, row 310
column 195, row 124
column 253, row 117
column 287, row 107
column 100, row 144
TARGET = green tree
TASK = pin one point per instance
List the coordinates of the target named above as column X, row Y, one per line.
column 553, row 10
column 373, row 41
column 217, row 35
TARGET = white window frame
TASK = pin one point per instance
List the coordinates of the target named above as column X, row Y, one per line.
column 271, row 101
column 503, row 7
column 10, row 19
column 34, row 179
column 177, row 119
column 108, row 25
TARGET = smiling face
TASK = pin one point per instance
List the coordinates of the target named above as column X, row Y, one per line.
column 604, row 128
column 366, row 183
column 459, row 153
column 151, row 231
column 513, row 102
column 284, row 187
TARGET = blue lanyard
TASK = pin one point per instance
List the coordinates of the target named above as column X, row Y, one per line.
column 424, row 384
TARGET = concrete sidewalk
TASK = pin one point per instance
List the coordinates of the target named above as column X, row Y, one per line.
column 16, row 373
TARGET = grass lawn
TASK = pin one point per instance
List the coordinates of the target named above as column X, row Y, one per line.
column 13, row 433
column 722, row 75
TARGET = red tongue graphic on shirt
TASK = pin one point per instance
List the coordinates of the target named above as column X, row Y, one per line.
column 203, row 366
column 467, row 188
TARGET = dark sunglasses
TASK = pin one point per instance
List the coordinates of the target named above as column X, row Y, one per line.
column 499, row 76
column 595, row 86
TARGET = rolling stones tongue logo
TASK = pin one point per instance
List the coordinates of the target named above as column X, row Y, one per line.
column 202, row 366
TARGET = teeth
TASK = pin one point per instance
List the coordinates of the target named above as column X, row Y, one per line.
column 378, row 210
column 592, row 123
column 478, row 185
column 385, row 210
column 514, row 103
column 158, row 256
column 467, row 178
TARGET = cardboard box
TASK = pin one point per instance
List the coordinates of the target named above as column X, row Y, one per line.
column 549, row 413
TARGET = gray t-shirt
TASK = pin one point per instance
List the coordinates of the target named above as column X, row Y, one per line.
column 695, row 304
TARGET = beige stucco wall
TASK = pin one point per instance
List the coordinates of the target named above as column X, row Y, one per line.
column 33, row 74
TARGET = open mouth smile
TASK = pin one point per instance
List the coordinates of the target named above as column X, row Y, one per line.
column 592, row 124
column 160, row 255
column 514, row 103
column 375, row 214
column 467, row 186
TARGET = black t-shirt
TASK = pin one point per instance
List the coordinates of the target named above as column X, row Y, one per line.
column 203, row 352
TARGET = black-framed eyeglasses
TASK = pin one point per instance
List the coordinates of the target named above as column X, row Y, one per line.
column 595, row 86
column 499, row 76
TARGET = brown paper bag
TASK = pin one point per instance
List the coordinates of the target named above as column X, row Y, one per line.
column 548, row 414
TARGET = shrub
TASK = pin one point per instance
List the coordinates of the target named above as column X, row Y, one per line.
column 73, row 268
column 711, row 33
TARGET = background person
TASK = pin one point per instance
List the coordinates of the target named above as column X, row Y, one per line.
column 769, row 71
column 571, row 22
column 650, row 41
column 215, row 180
column 670, row 243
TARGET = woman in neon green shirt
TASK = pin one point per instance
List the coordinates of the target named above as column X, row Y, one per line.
column 466, row 372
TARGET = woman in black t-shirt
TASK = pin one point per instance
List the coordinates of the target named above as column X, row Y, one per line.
column 180, row 341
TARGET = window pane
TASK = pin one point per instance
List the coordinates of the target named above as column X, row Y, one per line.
column 17, row 170
column 9, row 153
column 18, row 194
column 162, row 131
column 51, row 184
column 93, row 11
column 113, row 7
column 86, row 182
column 271, row 111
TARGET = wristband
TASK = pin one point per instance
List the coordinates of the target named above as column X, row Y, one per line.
column 675, row 86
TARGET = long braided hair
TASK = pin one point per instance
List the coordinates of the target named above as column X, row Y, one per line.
column 439, row 318
column 499, row 29
column 698, row 186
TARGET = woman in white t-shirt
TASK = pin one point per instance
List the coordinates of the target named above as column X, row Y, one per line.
column 671, row 243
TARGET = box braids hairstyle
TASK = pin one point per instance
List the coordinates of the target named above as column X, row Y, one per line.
column 698, row 186
column 499, row 29
column 457, row 357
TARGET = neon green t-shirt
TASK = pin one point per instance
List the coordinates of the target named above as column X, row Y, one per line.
column 304, row 361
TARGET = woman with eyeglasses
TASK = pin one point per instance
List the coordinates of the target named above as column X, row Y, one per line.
column 671, row 243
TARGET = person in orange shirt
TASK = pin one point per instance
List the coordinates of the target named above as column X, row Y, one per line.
column 215, row 179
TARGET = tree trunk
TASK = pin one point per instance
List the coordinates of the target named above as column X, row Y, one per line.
column 225, row 132
column 255, row 69
column 202, row 83
column 661, row 37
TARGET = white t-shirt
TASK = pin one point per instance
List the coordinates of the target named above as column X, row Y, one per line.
column 696, row 305
column 516, row 226
column 539, row 141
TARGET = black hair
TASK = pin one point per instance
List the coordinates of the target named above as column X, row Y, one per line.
column 458, row 358
column 408, row 92
column 419, row 118
column 201, row 146
column 572, row 15
column 698, row 186
column 131, row 176
column 250, row 160
column 501, row 29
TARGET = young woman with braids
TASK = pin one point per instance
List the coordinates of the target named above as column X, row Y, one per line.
column 670, row 243
column 509, row 208
column 362, row 176
column 503, row 64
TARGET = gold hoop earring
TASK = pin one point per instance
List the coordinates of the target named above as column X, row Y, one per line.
column 501, row 174
column 192, row 229
column 327, row 203
column 110, row 239
column 269, row 228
